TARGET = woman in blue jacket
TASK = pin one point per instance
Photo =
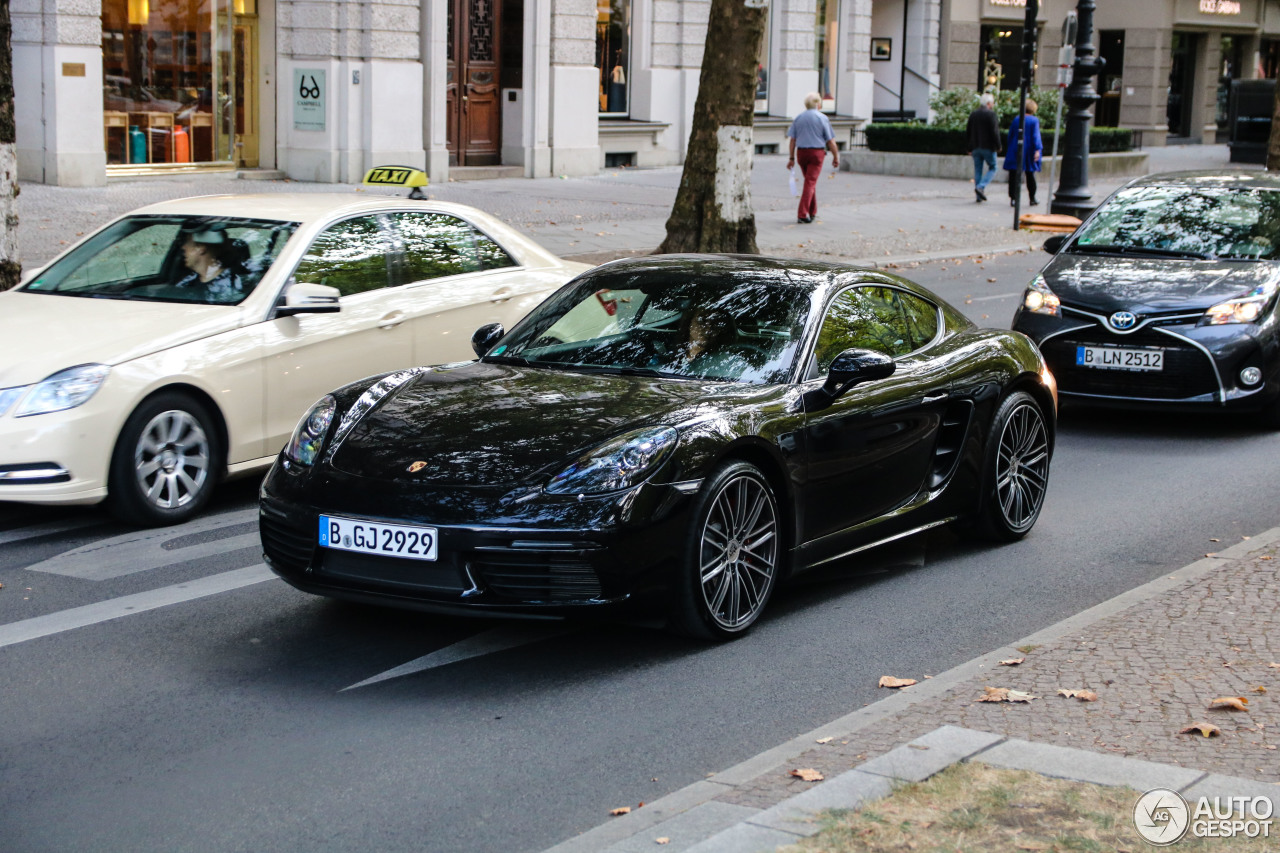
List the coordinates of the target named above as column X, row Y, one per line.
column 1032, row 148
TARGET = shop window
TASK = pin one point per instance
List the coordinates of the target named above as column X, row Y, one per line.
column 1000, row 66
column 826, row 43
column 613, row 55
column 1269, row 58
column 1111, row 49
column 762, row 65
column 1230, row 63
column 167, row 75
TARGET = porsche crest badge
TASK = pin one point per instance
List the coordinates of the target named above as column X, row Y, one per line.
column 416, row 467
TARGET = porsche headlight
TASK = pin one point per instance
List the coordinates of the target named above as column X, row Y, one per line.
column 1242, row 309
column 1039, row 299
column 63, row 390
column 308, row 436
column 621, row 463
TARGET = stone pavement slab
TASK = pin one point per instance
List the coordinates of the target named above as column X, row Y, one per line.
column 927, row 755
column 1083, row 766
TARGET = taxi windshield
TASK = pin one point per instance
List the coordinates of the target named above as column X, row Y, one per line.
column 732, row 331
column 210, row 260
column 1197, row 221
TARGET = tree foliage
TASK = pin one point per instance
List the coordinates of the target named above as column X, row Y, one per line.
column 712, row 210
column 951, row 107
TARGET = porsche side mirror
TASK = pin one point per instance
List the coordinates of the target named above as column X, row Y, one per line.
column 856, row 365
column 1054, row 243
column 306, row 298
column 486, row 336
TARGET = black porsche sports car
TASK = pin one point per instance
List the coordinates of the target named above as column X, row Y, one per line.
column 684, row 431
column 1166, row 296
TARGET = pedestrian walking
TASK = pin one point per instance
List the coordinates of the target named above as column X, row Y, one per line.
column 1032, row 148
column 811, row 138
column 984, row 144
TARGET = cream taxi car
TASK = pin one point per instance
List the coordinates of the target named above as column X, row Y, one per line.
column 179, row 344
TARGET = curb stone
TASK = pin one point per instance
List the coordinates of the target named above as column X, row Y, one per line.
column 1061, row 762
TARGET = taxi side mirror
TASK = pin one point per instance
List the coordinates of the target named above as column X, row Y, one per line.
column 303, row 297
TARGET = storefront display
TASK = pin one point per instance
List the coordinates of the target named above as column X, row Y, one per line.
column 613, row 43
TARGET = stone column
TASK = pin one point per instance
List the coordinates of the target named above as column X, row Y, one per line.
column 573, row 105
column 57, row 82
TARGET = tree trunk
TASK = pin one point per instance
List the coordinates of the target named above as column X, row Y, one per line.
column 1273, row 143
column 10, row 269
column 712, row 211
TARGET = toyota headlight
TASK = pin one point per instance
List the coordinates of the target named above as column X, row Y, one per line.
column 1242, row 309
column 621, row 463
column 308, row 436
column 63, row 390
column 1039, row 299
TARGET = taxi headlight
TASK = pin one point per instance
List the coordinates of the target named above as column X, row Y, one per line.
column 621, row 463
column 1039, row 299
column 63, row 390
column 9, row 396
column 308, row 436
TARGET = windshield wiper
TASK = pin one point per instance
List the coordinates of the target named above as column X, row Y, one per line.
column 505, row 359
column 1112, row 249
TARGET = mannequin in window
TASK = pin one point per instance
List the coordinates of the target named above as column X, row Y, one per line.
column 618, row 85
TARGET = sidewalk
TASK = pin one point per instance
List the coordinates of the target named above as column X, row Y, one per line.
column 864, row 219
column 1156, row 656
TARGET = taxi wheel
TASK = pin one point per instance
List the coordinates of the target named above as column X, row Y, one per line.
column 1015, row 472
column 734, row 555
column 166, row 462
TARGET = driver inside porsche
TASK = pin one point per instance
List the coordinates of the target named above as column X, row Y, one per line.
column 708, row 351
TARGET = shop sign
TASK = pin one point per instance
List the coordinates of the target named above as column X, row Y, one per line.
column 1220, row 7
column 308, row 99
column 1019, row 3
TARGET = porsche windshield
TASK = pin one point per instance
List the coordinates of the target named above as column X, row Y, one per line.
column 212, row 260
column 727, row 331
column 1209, row 222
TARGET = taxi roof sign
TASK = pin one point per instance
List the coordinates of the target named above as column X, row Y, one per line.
column 397, row 176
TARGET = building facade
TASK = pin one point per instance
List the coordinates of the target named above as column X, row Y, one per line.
column 323, row 89
column 1170, row 64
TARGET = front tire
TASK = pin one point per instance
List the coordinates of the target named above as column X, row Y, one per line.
column 1015, row 471
column 165, row 463
column 733, row 557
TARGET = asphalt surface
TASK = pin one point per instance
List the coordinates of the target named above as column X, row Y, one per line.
column 224, row 722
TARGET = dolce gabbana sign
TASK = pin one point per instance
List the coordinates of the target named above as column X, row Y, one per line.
column 1219, row 7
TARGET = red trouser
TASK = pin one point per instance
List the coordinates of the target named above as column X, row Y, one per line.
column 810, row 162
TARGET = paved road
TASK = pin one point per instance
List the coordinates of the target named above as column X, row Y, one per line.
column 231, row 721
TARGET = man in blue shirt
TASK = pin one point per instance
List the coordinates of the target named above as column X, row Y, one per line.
column 811, row 138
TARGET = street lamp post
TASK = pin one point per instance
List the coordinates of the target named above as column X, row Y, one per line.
column 1073, row 196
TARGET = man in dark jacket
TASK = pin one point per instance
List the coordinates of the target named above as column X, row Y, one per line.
column 984, row 144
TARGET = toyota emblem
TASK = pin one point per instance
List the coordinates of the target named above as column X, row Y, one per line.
column 1123, row 320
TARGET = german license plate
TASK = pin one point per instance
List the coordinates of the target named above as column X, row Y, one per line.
column 1120, row 358
column 372, row 537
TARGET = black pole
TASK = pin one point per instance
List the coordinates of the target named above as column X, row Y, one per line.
column 1073, row 196
column 1027, row 68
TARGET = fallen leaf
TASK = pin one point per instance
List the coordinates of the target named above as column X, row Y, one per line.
column 991, row 279
column 1082, row 695
column 662, row 840
column 1004, row 694
column 1259, row 689
column 621, row 811
column 1012, row 661
column 890, row 681
column 1206, row 729
column 1274, row 665
column 1215, row 540
column 808, row 774
column 1264, row 558
column 825, row 739
column 1235, row 703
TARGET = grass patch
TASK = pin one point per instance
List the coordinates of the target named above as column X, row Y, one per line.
column 976, row 807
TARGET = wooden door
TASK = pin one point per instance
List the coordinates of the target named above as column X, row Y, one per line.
column 474, row 106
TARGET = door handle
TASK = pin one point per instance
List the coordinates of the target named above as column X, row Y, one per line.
column 935, row 398
column 390, row 321
column 503, row 294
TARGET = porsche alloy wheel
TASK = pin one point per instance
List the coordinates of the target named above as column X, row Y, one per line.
column 734, row 556
column 1022, row 466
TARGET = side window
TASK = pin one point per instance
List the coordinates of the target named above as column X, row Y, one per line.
column 436, row 245
column 352, row 255
column 922, row 319
column 867, row 318
column 492, row 256
column 136, row 257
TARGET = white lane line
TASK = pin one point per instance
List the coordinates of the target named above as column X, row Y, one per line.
column 143, row 550
column 19, row 533
column 996, row 296
column 486, row 643
column 91, row 614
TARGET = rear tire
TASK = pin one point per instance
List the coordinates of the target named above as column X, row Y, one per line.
column 166, row 462
column 733, row 557
column 1015, row 472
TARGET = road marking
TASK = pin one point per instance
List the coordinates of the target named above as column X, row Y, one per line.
column 996, row 296
column 142, row 550
column 128, row 605
column 46, row 529
column 486, row 643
